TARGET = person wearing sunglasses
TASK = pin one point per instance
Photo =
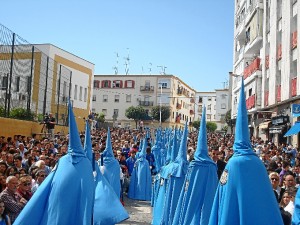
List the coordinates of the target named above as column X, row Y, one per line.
column 39, row 178
column 24, row 188
column 274, row 179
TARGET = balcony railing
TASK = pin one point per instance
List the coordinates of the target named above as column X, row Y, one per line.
column 267, row 62
column 279, row 52
column 279, row 93
column 147, row 88
column 294, row 87
column 145, row 103
column 266, row 98
column 294, row 40
column 250, row 102
column 178, row 106
column 253, row 67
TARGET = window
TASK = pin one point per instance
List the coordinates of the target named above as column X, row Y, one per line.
column 128, row 98
column 105, row 98
column 4, row 83
column 106, row 84
column 116, row 112
column 94, row 98
column 214, row 107
column 209, row 99
column 223, row 96
column 18, row 84
column 200, row 100
column 80, row 93
column 129, row 84
column 117, row 84
column 96, row 83
column 208, row 117
column 75, row 92
column 214, row 117
column 209, row 107
column 85, row 94
column 117, row 98
column 104, row 112
column 28, row 84
column 93, row 110
column 147, row 83
column 250, row 92
column 223, row 106
column 65, row 88
column 164, row 85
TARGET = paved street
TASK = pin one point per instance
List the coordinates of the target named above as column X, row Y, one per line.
column 140, row 212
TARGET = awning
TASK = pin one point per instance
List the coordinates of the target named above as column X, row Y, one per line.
column 276, row 129
column 295, row 129
column 264, row 125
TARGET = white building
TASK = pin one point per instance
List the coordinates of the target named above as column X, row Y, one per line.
column 265, row 53
column 113, row 94
column 217, row 105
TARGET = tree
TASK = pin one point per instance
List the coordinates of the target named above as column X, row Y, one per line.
column 165, row 113
column 100, row 117
column 228, row 120
column 211, row 126
column 196, row 124
column 135, row 113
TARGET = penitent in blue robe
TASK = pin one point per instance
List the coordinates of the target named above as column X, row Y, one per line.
column 201, row 181
column 66, row 196
column 141, row 180
column 244, row 195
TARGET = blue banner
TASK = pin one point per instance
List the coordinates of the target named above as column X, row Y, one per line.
column 296, row 110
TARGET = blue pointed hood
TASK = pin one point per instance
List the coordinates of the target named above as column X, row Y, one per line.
column 108, row 152
column 75, row 147
column 242, row 143
column 201, row 153
column 87, row 142
column 175, row 147
column 143, row 148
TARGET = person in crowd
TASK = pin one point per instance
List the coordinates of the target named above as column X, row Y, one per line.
column 284, row 169
column 4, row 218
column 13, row 203
column 51, row 125
column 220, row 164
column 130, row 162
column 39, row 178
column 274, row 178
column 24, row 188
column 150, row 159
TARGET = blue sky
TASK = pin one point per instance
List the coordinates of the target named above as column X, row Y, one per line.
column 193, row 39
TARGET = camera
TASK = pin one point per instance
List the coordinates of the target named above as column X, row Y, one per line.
column 46, row 119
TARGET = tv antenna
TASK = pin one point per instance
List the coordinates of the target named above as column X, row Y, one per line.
column 127, row 62
column 163, row 70
column 150, row 68
column 117, row 64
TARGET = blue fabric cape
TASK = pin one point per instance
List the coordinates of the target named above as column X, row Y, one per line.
column 111, row 167
column 67, row 195
column 296, row 215
column 244, row 195
column 141, row 181
column 201, row 181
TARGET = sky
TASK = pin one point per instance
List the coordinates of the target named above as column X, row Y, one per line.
column 190, row 39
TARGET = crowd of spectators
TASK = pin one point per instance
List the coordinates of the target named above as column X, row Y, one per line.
column 26, row 161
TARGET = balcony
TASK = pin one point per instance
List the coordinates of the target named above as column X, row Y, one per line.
column 250, row 102
column 192, row 112
column 178, row 106
column 192, row 100
column 252, row 68
column 145, row 103
column 278, row 93
column 294, row 40
column 294, row 87
column 147, row 88
column 279, row 52
column 266, row 98
column 267, row 62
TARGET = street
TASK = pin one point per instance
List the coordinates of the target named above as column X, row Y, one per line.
column 140, row 212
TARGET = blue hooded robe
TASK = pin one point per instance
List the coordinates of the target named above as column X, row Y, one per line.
column 108, row 209
column 296, row 215
column 201, row 181
column 177, row 174
column 66, row 196
column 141, row 180
column 111, row 166
column 244, row 195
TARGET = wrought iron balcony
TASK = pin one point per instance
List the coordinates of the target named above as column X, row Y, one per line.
column 147, row 88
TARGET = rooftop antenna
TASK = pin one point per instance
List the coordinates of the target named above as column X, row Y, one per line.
column 127, row 62
column 150, row 68
column 163, row 70
column 142, row 70
column 117, row 64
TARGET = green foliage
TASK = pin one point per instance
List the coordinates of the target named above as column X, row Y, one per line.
column 21, row 114
column 225, row 128
column 211, row 126
column 2, row 111
column 196, row 124
column 228, row 116
column 165, row 113
column 135, row 113
column 101, row 117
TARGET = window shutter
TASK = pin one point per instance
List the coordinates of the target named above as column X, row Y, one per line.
column 121, row 84
column 125, row 83
column 133, row 83
column 102, row 84
column 109, row 84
